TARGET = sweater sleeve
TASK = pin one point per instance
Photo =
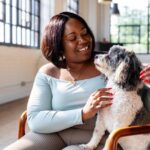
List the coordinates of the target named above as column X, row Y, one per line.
column 41, row 117
column 145, row 95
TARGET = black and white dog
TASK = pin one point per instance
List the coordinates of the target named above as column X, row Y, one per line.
column 122, row 69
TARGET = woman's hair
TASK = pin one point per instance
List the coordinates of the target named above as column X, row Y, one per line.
column 51, row 44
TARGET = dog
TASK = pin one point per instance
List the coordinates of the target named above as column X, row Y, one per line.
column 122, row 69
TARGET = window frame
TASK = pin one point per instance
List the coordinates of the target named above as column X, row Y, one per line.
column 26, row 30
column 144, row 31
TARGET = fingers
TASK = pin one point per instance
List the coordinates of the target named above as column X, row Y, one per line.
column 104, row 102
column 145, row 74
column 101, row 99
column 102, row 92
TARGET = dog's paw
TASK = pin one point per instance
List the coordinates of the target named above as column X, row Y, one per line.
column 86, row 147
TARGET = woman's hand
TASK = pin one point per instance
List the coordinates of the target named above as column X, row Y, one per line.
column 99, row 99
column 145, row 74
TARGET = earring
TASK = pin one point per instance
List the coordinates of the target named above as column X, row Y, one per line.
column 61, row 58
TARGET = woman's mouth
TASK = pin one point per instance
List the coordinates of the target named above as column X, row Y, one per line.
column 83, row 49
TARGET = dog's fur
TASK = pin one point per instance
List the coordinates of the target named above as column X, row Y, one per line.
column 122, row 69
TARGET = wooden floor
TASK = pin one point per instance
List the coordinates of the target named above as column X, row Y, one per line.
column 9, row 115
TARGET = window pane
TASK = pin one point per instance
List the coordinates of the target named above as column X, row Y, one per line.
column 7, row 13
column 23, row 18
column 7, row 33
column 36, row 7
column 36, row 24
column 18, row 35
column 14, row 36
column 19, row 4
column 33, row 7
column 20, row 18
column 2, row 32
column 32, row 38
column 14, row 3
column 28, row 5
column 7, row 1
column 32, row 23
column 28, row 37
column 27, row 20
column 14, row 15
column 23, row 5
column 23, row 36
column 36, row 39
column 1, row 11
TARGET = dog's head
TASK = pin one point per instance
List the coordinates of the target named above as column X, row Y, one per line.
column 122, row 65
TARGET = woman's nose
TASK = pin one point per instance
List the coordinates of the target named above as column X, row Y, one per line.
column 81, row 39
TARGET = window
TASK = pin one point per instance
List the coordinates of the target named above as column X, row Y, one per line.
column 20, row 22
column 73, row 6
column 129, row 34
column 131, row 27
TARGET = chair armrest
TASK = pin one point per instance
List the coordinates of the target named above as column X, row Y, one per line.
column 113, row 138
column 22, row 124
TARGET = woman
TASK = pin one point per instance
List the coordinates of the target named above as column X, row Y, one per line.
column 68, row 91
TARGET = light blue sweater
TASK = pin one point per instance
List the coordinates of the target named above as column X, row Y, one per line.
column 56, row 104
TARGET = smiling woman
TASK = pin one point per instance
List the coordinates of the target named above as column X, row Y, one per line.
column 68, row 91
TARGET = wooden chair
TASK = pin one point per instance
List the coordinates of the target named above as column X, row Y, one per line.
column 22, row 124
column 112, row 140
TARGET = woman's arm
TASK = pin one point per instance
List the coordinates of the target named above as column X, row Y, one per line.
column 145, row 92
column 41, row 117
column 145, row 95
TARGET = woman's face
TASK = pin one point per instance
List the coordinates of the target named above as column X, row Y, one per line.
column 77, row 42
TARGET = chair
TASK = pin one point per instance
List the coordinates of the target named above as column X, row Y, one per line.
column 112, row 140
column 22, row 124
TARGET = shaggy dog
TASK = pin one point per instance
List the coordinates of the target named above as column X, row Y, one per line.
column 122, row 69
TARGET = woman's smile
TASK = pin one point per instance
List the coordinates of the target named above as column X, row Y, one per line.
column 86, row 48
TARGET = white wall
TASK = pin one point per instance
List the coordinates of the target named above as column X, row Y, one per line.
column 18, row 67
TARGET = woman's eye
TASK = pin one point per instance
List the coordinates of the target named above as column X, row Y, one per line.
column 84, row 32
column 72, row 38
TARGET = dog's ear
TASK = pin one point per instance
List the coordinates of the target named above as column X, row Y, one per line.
column 120, row 73
column 128, row 71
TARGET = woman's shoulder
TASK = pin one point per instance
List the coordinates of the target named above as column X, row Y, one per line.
column 49, row 69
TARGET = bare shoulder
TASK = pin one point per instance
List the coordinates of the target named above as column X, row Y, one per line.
column 49, row 69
